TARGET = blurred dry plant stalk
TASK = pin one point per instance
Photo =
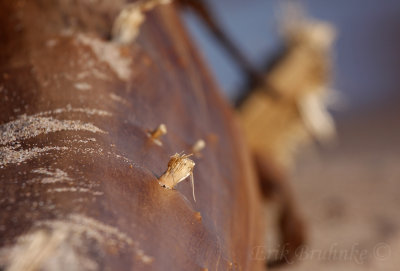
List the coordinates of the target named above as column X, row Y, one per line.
column 289, row 109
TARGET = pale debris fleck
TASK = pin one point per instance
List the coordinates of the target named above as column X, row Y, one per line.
column 198, row 146
column 118, row 99
column 157, row 133
column 143, row 257
column 51, row 43
column 82, row 86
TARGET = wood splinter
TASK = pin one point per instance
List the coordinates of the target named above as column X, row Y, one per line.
column 179, row 168
column 157, row 133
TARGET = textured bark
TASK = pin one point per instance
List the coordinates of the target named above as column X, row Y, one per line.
column 78, row 171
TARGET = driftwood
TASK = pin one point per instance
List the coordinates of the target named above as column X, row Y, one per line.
column 79, row 167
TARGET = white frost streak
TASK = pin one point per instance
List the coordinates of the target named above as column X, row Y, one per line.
column 108, row 53
column 52, row 243
column 29, row 126
column 53, row 176
column 69, row 109
column 10, row 156
column 26, row 127
column 41, row 249
column 32, row 250
column 79, row 225
column 92, row 228
column 74, row 190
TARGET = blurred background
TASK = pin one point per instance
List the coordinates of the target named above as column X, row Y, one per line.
column 350, row 193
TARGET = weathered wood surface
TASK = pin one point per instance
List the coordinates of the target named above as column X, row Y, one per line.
column 78, row 173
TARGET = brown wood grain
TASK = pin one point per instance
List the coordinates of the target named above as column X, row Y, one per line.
column 75, row 110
